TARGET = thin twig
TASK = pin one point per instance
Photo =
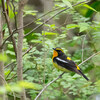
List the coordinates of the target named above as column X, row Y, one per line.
column 9, row 64
column 91, row 43
column 52, row 18
column 62, row 74
column 89, row 58
column 10, row 72
column 6, row 40
column 3, row 79
column 48, row 85
column 83, row 40
column 27, row 50
column 11, row 78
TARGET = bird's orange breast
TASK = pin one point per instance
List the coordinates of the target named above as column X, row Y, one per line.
column 55, row 54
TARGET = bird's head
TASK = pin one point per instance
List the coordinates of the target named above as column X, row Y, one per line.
column 57, row 52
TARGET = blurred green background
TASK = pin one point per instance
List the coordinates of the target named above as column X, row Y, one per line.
column 76, row 31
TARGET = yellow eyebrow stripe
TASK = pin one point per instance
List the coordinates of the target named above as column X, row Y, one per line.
column 77, row 67
column 68, row 58
column 59, row 49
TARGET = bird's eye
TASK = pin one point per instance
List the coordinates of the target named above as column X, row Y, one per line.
column 58, row 51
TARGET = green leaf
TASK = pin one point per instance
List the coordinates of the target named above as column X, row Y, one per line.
column 10, row 52
column 7, row 72
column 13, row 87
column 55, row 85
column 10, row 46
column 4, row 26
column 11, row 13
column 62, row 83
column 96, row 59
column 0, row 3
column 98, row 85
column 30, row 12
column 53, row 26
column 36, row 41
column 83, row 26
column 29, row 85
column 48, row 33
column 16, row 0
column 72, row 26
column 75, row 37
column 3, row 57
column 2, row 90
column 89, row 7
column 67, row 3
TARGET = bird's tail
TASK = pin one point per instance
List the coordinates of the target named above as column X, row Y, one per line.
column 83, row 75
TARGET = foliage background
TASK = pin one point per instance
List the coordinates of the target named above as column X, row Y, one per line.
column 76, row 30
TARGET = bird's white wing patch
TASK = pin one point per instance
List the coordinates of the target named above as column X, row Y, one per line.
column 61, row 60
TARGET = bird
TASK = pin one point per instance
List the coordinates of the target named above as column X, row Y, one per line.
column 65, row 63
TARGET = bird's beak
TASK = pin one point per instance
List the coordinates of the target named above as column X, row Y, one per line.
column 53, row 48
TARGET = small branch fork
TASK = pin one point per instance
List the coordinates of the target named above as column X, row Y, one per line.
column 62, row 74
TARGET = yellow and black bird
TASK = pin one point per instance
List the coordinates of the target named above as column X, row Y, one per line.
column 64, row 63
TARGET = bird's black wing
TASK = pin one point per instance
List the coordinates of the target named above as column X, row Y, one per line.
column 65, row 63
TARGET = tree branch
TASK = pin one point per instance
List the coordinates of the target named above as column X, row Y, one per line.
column 6, row 40
column 9, row 26
column 27, row 50
column 9, row 64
